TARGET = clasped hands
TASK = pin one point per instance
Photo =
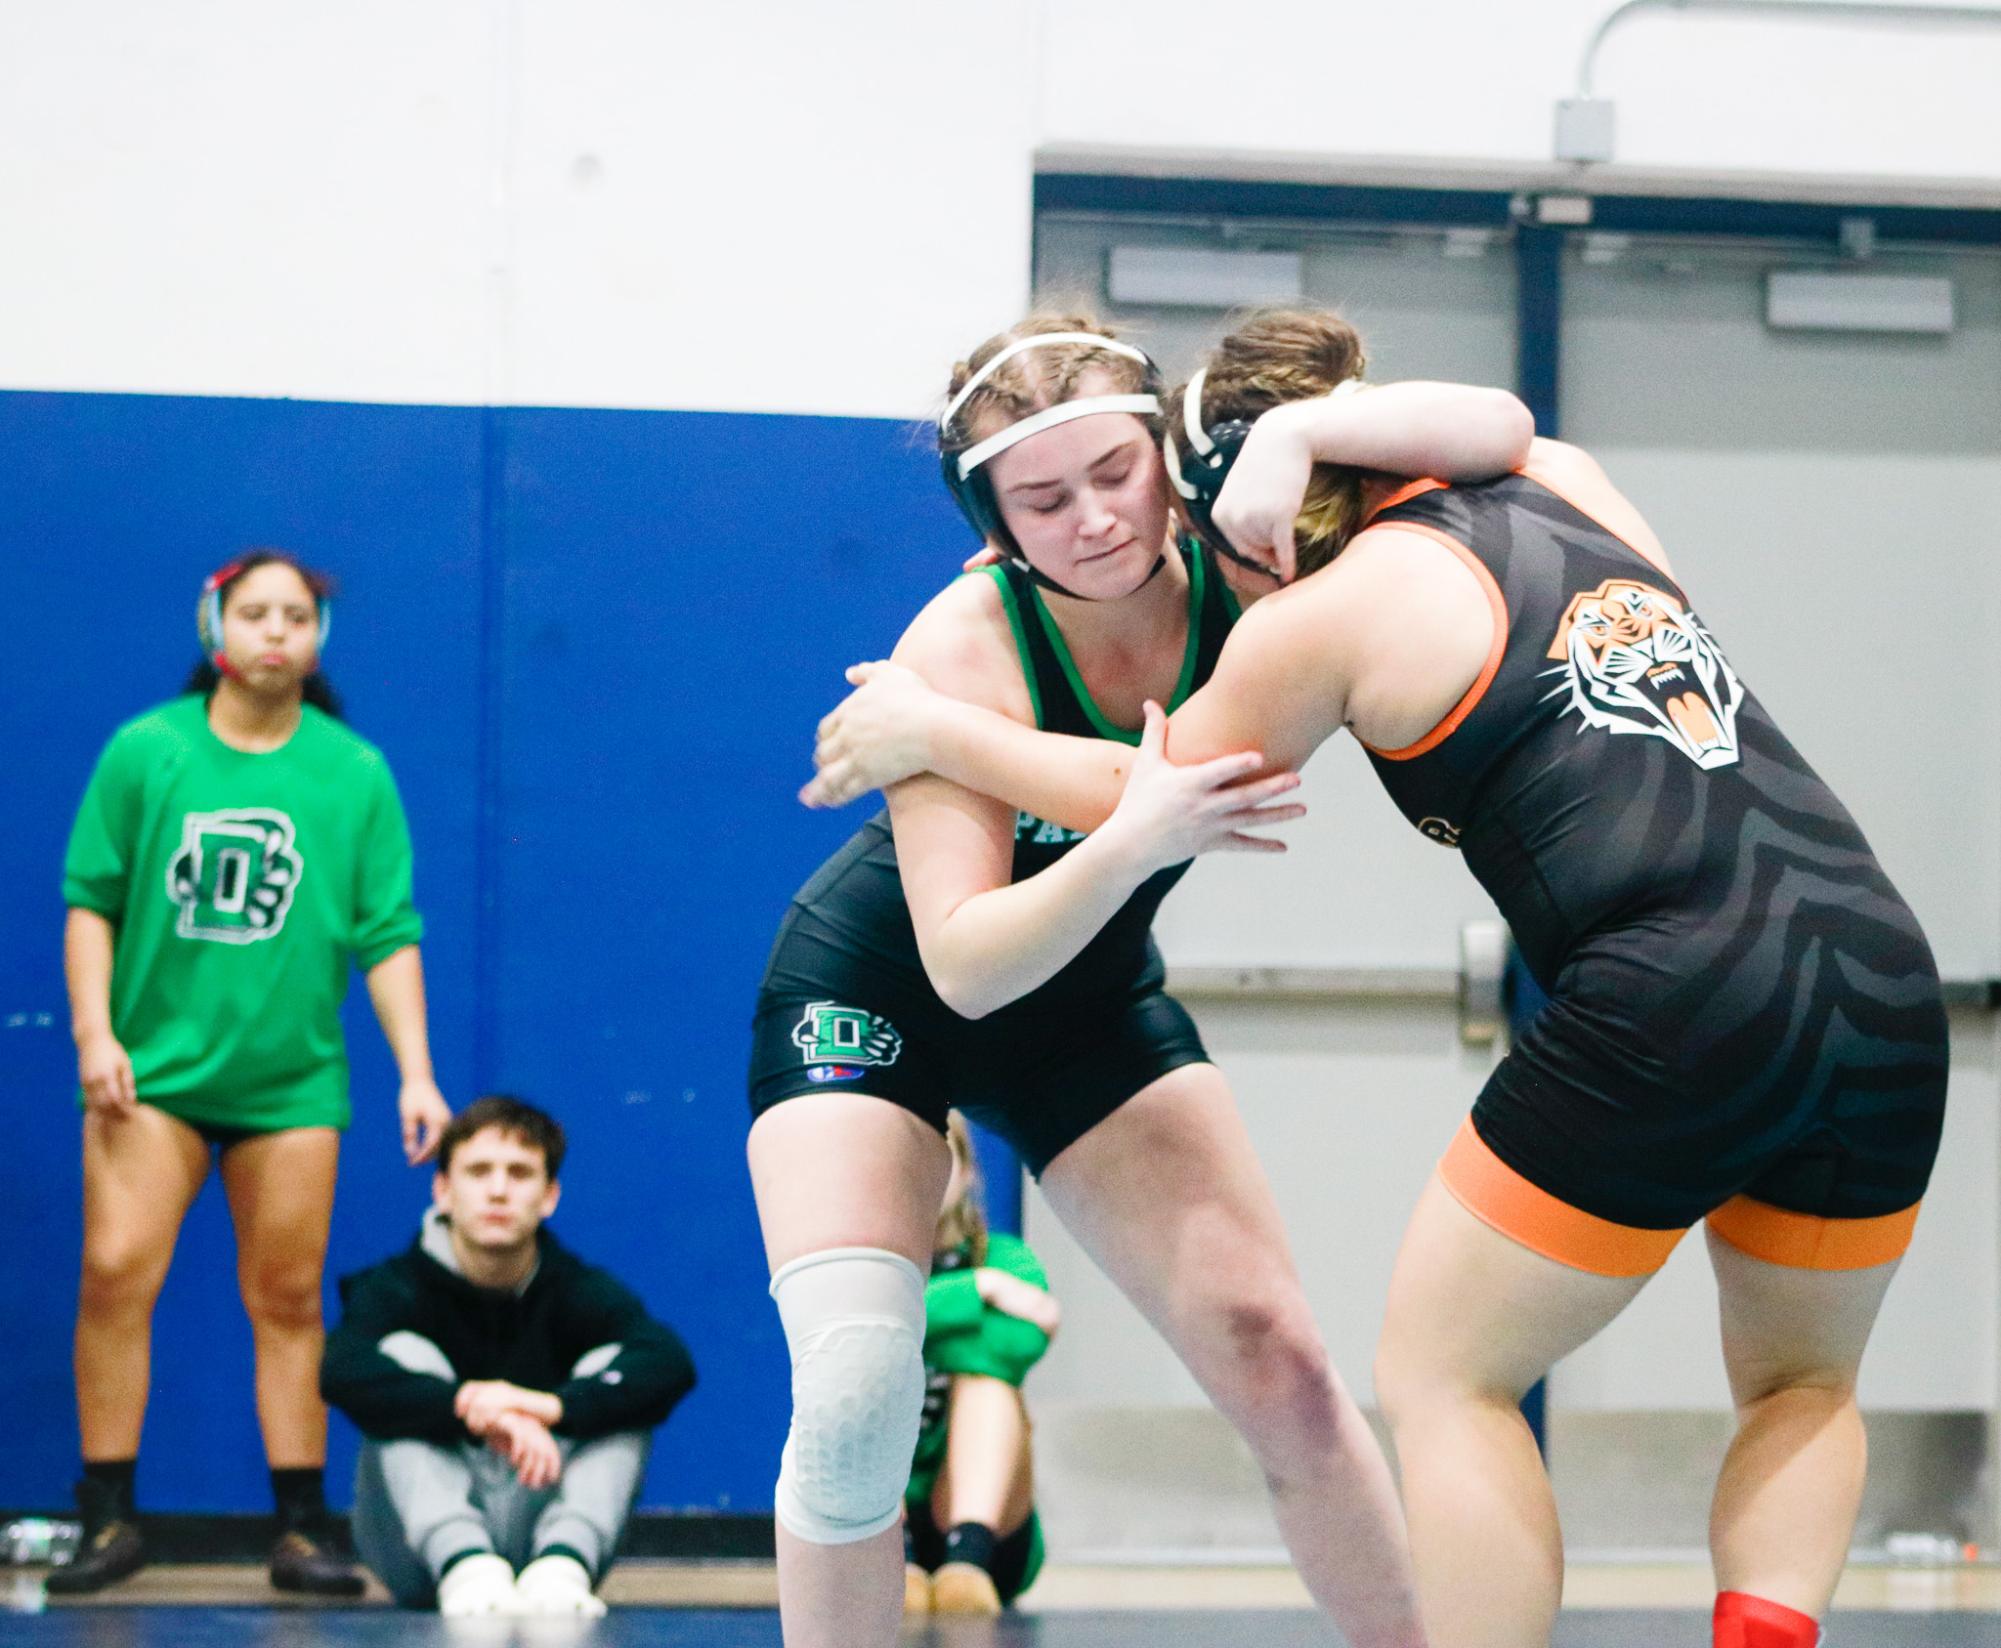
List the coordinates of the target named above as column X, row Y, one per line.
column 516, row 1424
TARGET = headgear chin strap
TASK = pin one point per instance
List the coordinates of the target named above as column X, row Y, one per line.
column 208, row 611
column 1213, row 454
column 965, row 472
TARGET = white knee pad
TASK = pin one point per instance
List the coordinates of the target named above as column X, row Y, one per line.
column 854, row 1317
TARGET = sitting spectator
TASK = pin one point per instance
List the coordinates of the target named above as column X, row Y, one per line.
column 506, row 1388
column 972, row 1540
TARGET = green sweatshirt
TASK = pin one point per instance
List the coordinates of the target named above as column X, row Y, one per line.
column 964, row 1334
column 240, row 886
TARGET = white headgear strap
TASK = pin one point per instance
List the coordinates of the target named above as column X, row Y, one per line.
column 1191, row 418
column 1048, row 417
column 1174, row 471
column 973, row 457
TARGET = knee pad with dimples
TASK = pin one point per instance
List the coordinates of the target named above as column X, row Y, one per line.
column 854, row 1319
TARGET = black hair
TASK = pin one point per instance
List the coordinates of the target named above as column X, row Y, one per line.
column 316, row 689
column 535, row 1128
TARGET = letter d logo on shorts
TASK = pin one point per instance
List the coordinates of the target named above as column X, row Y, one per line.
column 828, row 1033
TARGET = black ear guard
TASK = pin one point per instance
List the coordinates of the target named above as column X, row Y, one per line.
column 1199, row 477
column 1199, row 482
column 1212, row 453
column 965, row 471
column 974, row 494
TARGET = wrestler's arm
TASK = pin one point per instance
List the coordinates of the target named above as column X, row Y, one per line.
column 1454, row 431
column 1075, row 782
column 1278, row 688
column 987, row 940
column 1451, row 431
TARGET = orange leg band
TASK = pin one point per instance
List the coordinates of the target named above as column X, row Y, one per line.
column 1497, row 1195
column 1802, row 1241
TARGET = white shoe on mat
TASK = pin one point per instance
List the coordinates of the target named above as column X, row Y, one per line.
column 557, row 1585
column 477, row 1586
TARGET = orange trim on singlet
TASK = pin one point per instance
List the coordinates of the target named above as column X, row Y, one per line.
column 1404, row 494
column 1496, row 1195
column 1498, row 606
column 1804, row 1241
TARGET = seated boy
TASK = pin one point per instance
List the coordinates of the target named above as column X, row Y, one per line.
column 506, row 1389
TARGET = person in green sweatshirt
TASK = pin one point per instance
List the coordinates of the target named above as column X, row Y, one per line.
column 972, row 1539
column 238, row 850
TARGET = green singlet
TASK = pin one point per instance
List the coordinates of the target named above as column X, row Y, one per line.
column 241, row 886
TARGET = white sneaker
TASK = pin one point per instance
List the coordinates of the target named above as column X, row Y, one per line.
column 476, row 1586
column 557, row 1585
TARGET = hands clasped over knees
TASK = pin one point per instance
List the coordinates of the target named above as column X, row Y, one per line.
column 515, row 1423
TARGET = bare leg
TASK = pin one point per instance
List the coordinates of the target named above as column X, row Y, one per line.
column 987, row 1476
column 1474, row 1320
column 1791, row 1484
column 281, row 1188
column 844, row 1170
column 141, row 1173
column 1167, row 1195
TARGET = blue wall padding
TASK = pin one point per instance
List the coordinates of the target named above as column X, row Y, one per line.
column 593, row 646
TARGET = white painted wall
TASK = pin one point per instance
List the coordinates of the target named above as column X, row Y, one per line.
column 1454, row 78
column 781, row 205
column 796, row 207
column 240, row 198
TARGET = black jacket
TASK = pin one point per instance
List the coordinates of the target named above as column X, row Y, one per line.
column 531, row 1338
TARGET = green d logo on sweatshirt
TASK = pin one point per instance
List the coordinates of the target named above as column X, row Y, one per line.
column 235, row 874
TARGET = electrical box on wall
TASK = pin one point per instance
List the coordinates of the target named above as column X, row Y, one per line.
column 1584, row 128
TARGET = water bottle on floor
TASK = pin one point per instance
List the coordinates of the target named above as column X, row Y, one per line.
column 39, row 1539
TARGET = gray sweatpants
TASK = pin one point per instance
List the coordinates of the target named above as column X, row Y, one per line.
column 419, row 1504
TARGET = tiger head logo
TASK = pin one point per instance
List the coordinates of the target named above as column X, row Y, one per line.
column 1635, row 660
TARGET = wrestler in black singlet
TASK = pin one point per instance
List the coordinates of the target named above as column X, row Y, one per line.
column 1740, row 1002
column 846, row 1004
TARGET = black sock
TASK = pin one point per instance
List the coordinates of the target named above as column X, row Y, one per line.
column 569, row 1551
column 971, row 1542
column 457, row 1557
column 301, row 1496
column 113, row 1480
